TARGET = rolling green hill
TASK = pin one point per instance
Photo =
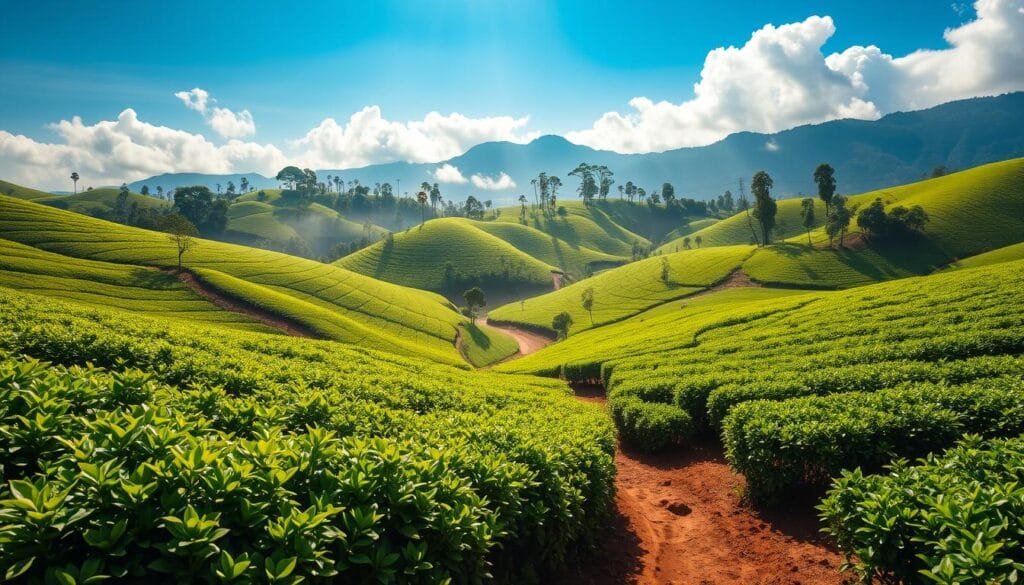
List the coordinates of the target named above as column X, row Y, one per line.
column 253, row 218
column 587, row 227
column 334, row 302
column 20, row 192
column 103, row 284
column 1004, row 254
column 100, row 202
column 628, row 290
column 420, row 256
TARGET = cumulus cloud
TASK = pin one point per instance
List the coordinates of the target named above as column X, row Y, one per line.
column 491, row 184
column 227, row 123
column 780, row 79
column 194, row 99
column 125, row 149
column 447, row 173
column 369, row 138
column 230, row 124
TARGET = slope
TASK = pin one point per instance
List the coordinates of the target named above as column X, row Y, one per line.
column 587, row 227
column 625, row 291
column 103, row 284
column 337, row 303
column 449, row 254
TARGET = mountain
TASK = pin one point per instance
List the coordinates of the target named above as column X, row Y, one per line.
column 867, row 155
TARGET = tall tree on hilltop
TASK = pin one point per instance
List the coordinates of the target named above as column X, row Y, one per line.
column 74, row 178
column 839, row 220
column 765, row 207
column 825, row 178
column 668, row 193
column 422, row 198
column 587, row 299
column 554, row 183
column 604, row 181
column 435, row 197
column 291, row 176
column 588, row 185
column 244, row 183
column 745, row 208
column 807, row 215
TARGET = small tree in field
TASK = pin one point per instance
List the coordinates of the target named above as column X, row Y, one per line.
column 665, row 274
column 561, row 323
column 838, row 220
column 765, row 207
column 474, row 298
column 807, row 215
column 181, row 232
column 588, row 302
column 698, row 240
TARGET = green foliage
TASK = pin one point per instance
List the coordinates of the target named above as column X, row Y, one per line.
column 561, row 323
column 270, row 459
column 951, row 518
column 483, row 345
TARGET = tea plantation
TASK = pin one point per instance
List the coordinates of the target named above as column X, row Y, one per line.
column 213, row 457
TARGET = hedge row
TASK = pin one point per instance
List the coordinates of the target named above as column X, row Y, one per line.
column 807, row 441
column 949, row 519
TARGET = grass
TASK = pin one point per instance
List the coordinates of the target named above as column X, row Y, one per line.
column 483, row 345
column 735, row 229
column 20, row 192
column 1005, row 254
column 142, row 290
column 100, row 202
column 355, row 308
column 418, row 258
column 628, row 290
column 574, row 260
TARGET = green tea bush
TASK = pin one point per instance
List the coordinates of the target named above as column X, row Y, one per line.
column 951, row 518
column 458, row 474
column 806, row 441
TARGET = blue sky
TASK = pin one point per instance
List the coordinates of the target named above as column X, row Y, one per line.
column 284, row 80
column 562, row 63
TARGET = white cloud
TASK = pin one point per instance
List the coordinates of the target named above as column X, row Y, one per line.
column 231, row 125
column 771, row 146
column 490, row 184
column 127, row 149
column 780, row 79
column 447, row 173
column 369, row 138
column 194, row 99
column 227, row 123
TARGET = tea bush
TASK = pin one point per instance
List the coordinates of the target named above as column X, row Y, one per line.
column 951, row 518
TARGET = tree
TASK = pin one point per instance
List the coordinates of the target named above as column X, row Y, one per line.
column 807, row 215
column 765, row 207
column 292, row 176
column 144, row 190
column 435, row 197
column 74, row 178
column 561, row 323
column 181, row 232
column 587, row 299
column 686, row 242
column 244, row 184
column 744, row 206
column 698, row 240
column 231, row 188
column 473, row 208
column 727, row 204
column 121, row 205
column 422, row 198
column 665, row 270
column 159, row 192
column 474, row 298
column 522, row 207
column 197, row 204
column 554, row 183
column 899, row 222
column 668, row 193
column 839, row 220
column 939, row 171
column 604, row 181
column 825, row 178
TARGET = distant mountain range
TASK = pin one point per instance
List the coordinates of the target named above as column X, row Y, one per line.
column 867, row 155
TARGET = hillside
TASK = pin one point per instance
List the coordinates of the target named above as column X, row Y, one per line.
column 334, row 302
column 627, row 290
column 589, row 227
column 895, row 149
column 420, row 257
column 272, row 219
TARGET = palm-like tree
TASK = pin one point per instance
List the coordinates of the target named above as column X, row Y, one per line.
column 422, row 198
column 75, row 177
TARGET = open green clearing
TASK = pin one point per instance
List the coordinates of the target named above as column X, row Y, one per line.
column 337, row 303
column 267, row 453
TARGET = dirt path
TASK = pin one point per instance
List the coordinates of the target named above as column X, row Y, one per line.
column 557, row 279
column 680, row 520
column 237, row 306
column 528, row 342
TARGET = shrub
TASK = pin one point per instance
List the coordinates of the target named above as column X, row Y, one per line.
column 650, row 426
column 951, row 518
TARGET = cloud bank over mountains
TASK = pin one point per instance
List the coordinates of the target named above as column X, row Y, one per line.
column 778, row 79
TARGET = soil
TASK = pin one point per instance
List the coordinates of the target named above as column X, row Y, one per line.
column 528, row 342
column 557, row 279
column 237, row 306
column 680, row 519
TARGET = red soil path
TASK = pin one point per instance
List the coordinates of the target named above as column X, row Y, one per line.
column 237, row 306
column 680, row 520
